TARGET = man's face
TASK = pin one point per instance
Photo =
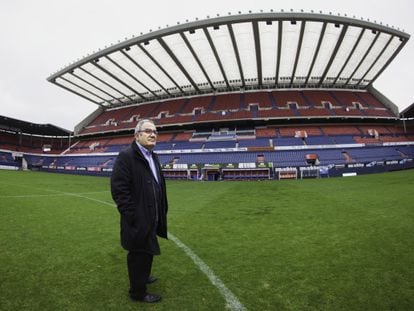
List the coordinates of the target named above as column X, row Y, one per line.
column 147, row 136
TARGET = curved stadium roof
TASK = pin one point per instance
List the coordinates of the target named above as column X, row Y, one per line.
column 236, row 52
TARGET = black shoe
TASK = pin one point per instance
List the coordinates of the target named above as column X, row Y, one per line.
column 151, row 279
column 148, row 298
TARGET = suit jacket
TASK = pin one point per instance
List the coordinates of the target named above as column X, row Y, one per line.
column 141, row 201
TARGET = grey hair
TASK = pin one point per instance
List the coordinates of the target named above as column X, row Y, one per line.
column 141, row 123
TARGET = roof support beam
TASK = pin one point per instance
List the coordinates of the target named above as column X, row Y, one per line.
column 350, row 55
column 161, row 68
column 144, row 71
column 213, row 48
column 130, row 75
column 95, row 63
column 178, row 63
column 279, row 51
column 315, row 56
column 376, row 60
column 188, row 44
column 236, row 52
column 404, row 41
column 78, row 86
column 256, row 35
column 172, row 62
column 364, row 57
column 335, row 51
column 94, row 86
column 106, row 83
column 298, row 51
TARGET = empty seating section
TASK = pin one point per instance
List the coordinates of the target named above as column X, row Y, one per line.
column 265, row 104
column 165, row 137
column 292, row 158
column 366, row 129
column 163, row 146
column 395, row 130
column 120, row 118
column 30, row 143
column 223, row 115
column 275, row 113
column 6, row 158
column 227, row 102
column 288, row 141
column 170, row 107
column 366, row 140
column 112, row 144
column 124, row 140
column 369, row 100
column 38, row 161
column 85, row 161
column 373, row 154
column 394, row 139
column 286, row 158
column 282, row 143
column 344, row 139
column 258, row 142
column 330, row 156
column 318, row 98
column 261, row 99
column 219, row 144
column 379, row 113
column 287, row 131
column 143, row 111
column 174, row 120
column 310, row 131
column 183, row 145
column 183, row 136
column 193, row 152
column 265, row 132
column 265, row 137
column 348, row 99
column 124, row 116
column 102, row 118
column 405, row 151
column 197, row 102
column 283, row 98
column 210, row 157
column 315, row 112
column 347, row 112
column 8, row 139
column 319, row 140
column 340, row 130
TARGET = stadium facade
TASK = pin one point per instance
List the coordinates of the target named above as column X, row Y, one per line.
column 246, row 96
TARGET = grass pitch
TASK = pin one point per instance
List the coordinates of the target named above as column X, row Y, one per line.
column 325, row 244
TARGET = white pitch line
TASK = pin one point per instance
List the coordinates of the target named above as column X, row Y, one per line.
column 232, row 302
column 44, row 195
column 32, row 196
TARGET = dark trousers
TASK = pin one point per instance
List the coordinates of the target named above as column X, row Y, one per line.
column 139, row 270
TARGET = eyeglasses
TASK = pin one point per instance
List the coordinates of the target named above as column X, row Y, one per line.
column 149, row 131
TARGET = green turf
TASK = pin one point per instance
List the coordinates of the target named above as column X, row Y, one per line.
column 326, row 244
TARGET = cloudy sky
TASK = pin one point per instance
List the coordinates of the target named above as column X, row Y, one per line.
column 40, row 37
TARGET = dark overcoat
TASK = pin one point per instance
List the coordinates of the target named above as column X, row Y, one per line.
column 141, row 201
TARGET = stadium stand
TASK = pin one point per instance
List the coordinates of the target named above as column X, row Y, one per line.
column 222, row 121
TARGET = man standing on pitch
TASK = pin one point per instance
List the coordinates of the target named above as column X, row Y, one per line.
column 138, row 189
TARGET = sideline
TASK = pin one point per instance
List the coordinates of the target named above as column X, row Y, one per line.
column 232, row 302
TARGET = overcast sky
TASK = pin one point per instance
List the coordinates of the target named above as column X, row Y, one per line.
column 39, row 37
